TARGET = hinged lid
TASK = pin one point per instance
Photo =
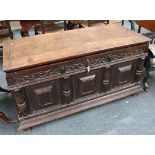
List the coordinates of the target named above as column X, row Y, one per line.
column 52, row 47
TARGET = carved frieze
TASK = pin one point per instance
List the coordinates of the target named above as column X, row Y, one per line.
column 123, row 55
column 113, row 57
column 51, row 72
column 94, row 62
column 73, row 67
column 38, row 75
column 67, row 68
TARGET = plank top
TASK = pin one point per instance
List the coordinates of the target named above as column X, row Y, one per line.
column 52, row 47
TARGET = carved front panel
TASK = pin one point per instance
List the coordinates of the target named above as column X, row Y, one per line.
column 44, row 95
column 122, row 73
column 85, row 84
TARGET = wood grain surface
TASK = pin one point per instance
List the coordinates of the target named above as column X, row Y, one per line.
column 43, row 49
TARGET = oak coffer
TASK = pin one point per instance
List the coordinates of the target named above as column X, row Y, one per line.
column 54, row 75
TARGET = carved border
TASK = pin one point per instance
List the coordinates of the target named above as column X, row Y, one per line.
column 113, row 57
column 51, row 72
column 75, row 67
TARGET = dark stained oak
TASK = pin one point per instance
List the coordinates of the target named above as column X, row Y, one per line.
column 54, row 75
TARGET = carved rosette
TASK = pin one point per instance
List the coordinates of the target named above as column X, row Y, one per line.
column 20, row 98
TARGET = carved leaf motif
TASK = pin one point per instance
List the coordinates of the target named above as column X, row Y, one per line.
column 94, row 62
column 25, row 79
column 113, row 57
column 38, row 75
column 50, row 72
column 73, row 67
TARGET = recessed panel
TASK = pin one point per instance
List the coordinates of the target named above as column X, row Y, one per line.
column 44, row 95
column 122, row 73
column 87, row 84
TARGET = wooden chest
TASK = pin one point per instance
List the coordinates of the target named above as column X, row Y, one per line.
column 54, row 75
